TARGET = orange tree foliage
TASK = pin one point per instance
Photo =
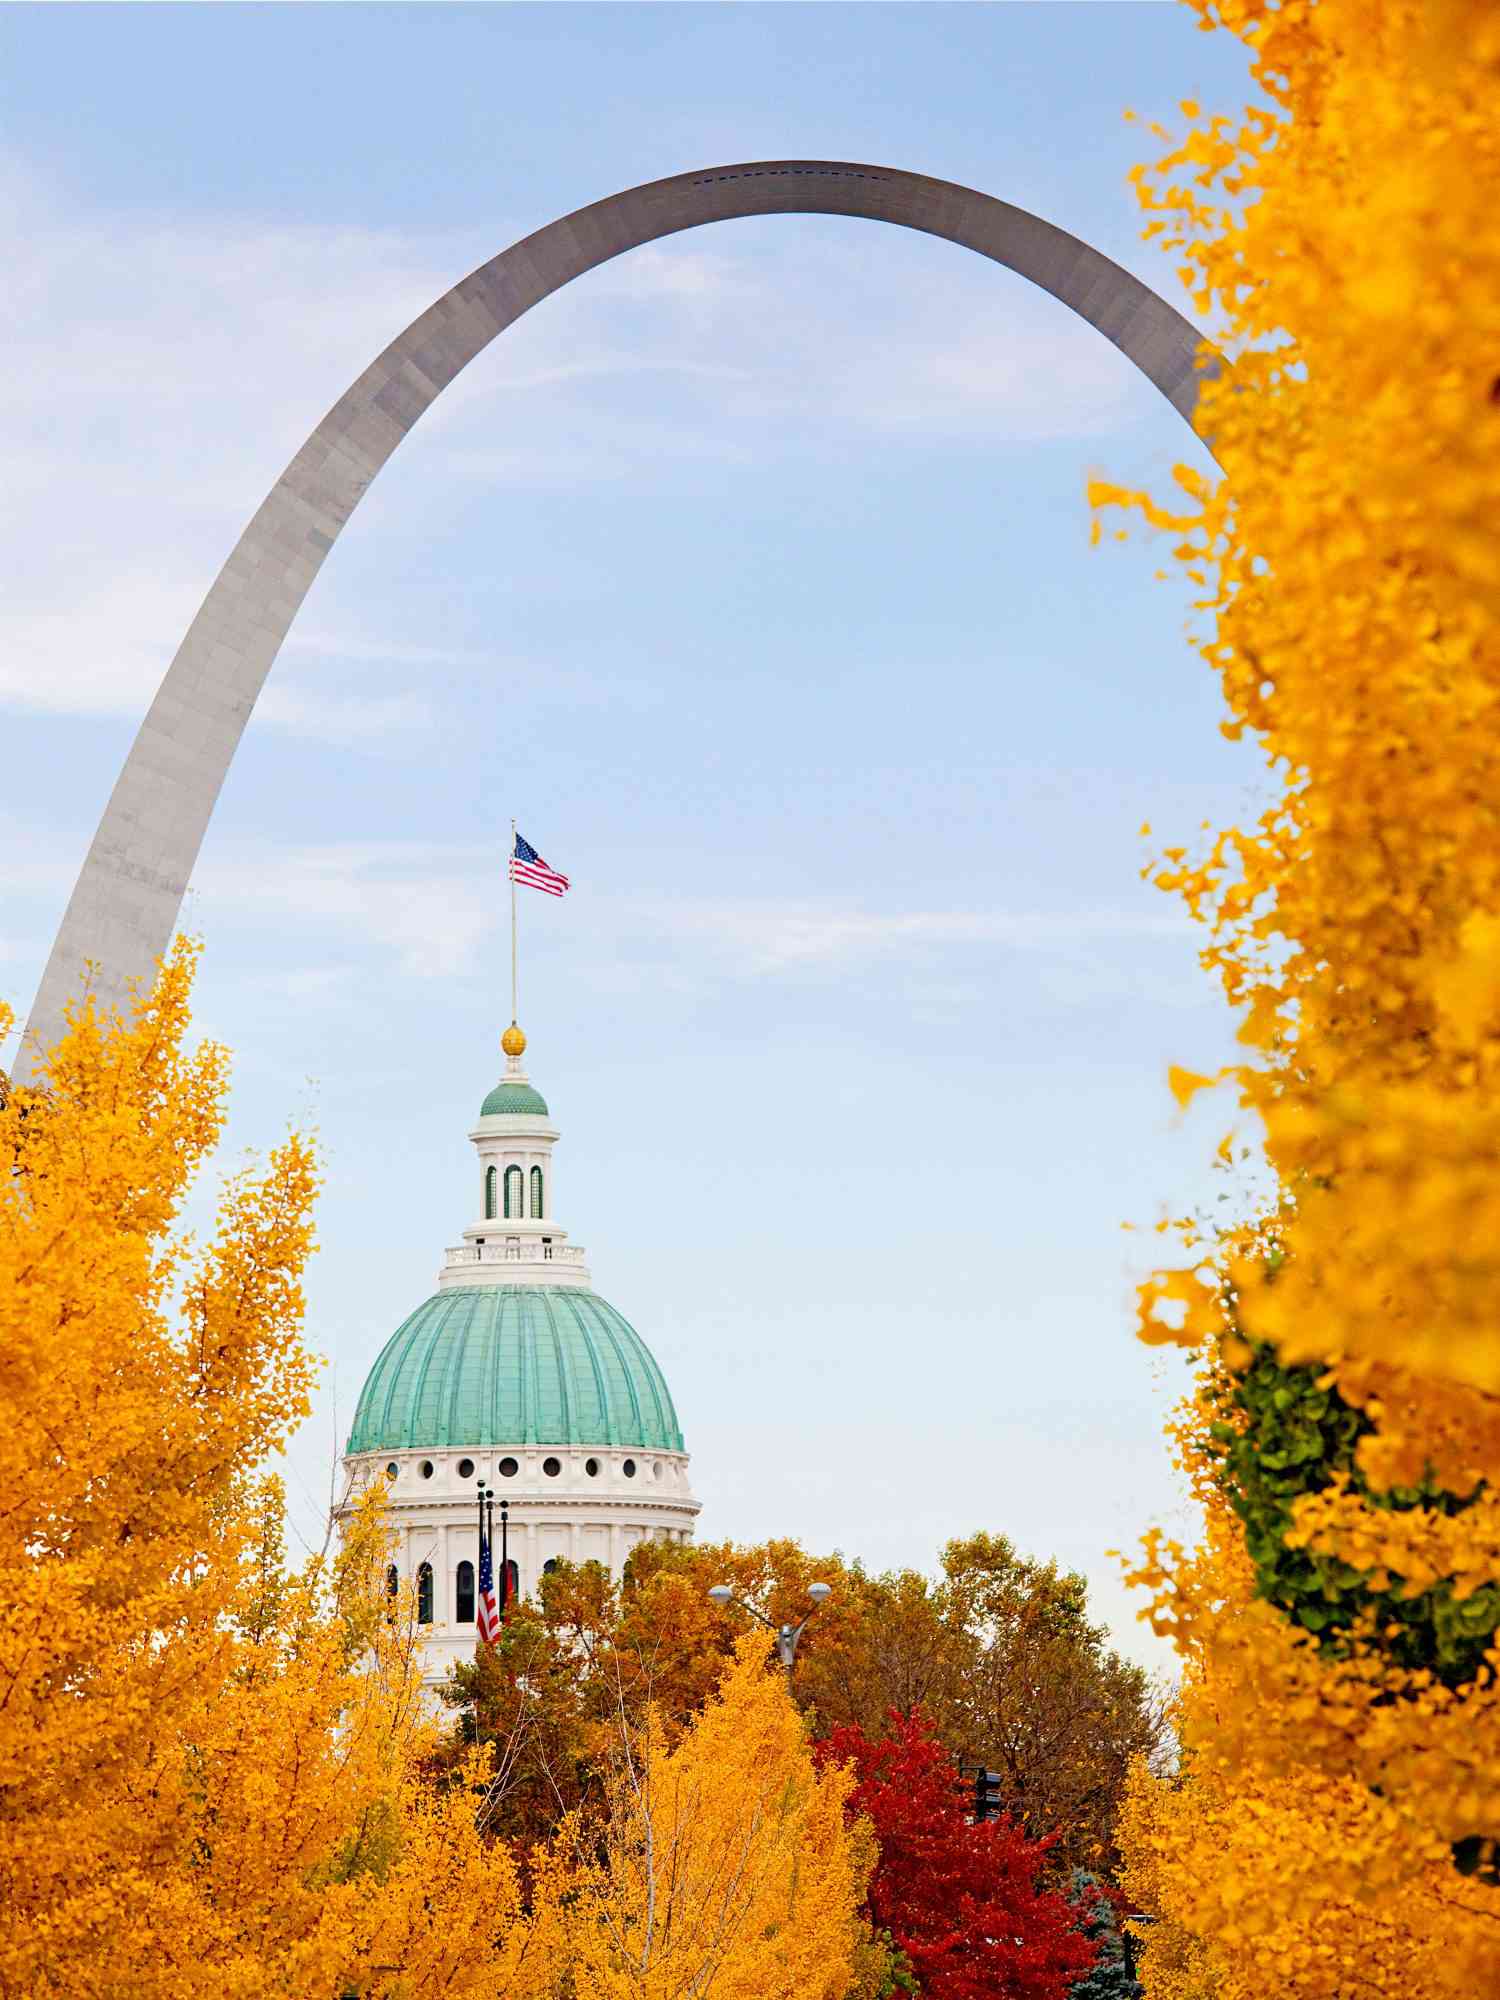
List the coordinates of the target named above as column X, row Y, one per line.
column 208, row 1768
column 1268, row 1868
column 720, row 1866
column 999, row 1653
column 214, row 1773
column 1341, row 1720
column 1343, row 1717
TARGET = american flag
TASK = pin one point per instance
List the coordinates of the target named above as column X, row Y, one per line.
column 528, row 867
column 489, row 1610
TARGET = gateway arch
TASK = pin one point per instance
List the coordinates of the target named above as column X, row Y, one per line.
column 124, row 907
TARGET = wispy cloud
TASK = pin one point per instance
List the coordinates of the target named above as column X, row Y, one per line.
column 160, row 372
column 772, row 938
column 338, row 717
column 431, row 907
column 546, row 681
column 426, row 907
column 321, row 643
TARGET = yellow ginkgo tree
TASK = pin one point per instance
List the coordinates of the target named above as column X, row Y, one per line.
column 209, row 1768
column 1341, row 1713
column 721, row 1868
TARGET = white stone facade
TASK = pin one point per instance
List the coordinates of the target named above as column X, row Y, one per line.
column 575, row 1515
column 569, row 1501
column 514, row 1250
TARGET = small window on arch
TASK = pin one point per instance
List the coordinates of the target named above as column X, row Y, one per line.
column 464, row 1594
column 515, row 1206
column 490, row 1191
column 536, row 1194
column 628, row 1468
column 424, row 1594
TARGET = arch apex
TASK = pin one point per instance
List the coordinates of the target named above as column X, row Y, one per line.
column 125, row 904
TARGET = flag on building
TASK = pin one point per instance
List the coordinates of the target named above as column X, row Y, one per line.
column 528, row 868
column 488, row 1610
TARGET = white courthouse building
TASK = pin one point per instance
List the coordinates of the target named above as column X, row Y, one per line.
column 515, row 1374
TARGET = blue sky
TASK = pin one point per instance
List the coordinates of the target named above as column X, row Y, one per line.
column 751, row 574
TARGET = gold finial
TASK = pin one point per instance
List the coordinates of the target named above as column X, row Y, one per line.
column 513, row 1041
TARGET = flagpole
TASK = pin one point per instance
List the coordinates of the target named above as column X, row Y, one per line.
column 504, row 1553
column 514, row 1015
column 479, row 1609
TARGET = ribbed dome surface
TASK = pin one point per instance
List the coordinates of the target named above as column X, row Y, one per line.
column 514, row 1097
column 515, row 1364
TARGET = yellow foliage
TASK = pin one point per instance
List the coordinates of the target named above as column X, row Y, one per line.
column 727, row 1872
column 207, row 1767
column 1265, row 1872
column 215, row 1775
column 1347, row 236
column 1344, row 233
column 1233, row 1870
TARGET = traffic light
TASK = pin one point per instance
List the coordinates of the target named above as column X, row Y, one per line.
column 987, row 1801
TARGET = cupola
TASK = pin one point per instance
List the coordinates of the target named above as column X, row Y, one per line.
column 515, row 1374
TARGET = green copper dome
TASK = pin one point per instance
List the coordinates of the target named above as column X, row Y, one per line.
column 515, row 1364
column 514, row 1097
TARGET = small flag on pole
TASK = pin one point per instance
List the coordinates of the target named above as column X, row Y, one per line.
column 528, row 868
column 489, row 1612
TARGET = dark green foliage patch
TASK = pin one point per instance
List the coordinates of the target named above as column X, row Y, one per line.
column 1294, row 1436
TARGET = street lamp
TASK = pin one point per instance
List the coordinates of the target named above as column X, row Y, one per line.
column 786, row 1635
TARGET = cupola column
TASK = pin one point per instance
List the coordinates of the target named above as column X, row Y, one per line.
column 516, row 1239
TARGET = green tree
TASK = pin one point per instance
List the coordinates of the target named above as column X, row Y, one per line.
column 1110, row 1976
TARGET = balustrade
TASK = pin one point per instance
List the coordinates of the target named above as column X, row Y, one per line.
column 513, row 1253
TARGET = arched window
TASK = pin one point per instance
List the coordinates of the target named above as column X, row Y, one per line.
column 515, row 1207
column 536, row 1194
column 424, row 1594
column 490, row 1178
column 550, row 1565
column 392, row 1581
column 464, row 1594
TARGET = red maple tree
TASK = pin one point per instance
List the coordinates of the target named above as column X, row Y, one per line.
column 961, row 1898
